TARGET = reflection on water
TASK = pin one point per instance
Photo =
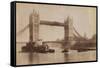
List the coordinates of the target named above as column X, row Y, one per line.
column 30, row 57
column 57, row 57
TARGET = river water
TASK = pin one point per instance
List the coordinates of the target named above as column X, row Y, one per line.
column 57, row 57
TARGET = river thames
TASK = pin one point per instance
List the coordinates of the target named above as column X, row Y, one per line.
column 57, row 57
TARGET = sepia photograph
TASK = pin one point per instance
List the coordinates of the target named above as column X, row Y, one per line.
column 51, row 33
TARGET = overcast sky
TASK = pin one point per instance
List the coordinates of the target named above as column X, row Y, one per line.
column 84, row 19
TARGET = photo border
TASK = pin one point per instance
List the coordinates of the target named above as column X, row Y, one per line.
column 13, row 32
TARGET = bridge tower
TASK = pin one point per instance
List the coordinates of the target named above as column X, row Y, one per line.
column 68, row 35
column 34, row 22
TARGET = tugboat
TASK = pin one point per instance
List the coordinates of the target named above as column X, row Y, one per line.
column 32, row 47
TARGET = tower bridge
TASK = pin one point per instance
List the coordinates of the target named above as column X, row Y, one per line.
column 70, row 32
